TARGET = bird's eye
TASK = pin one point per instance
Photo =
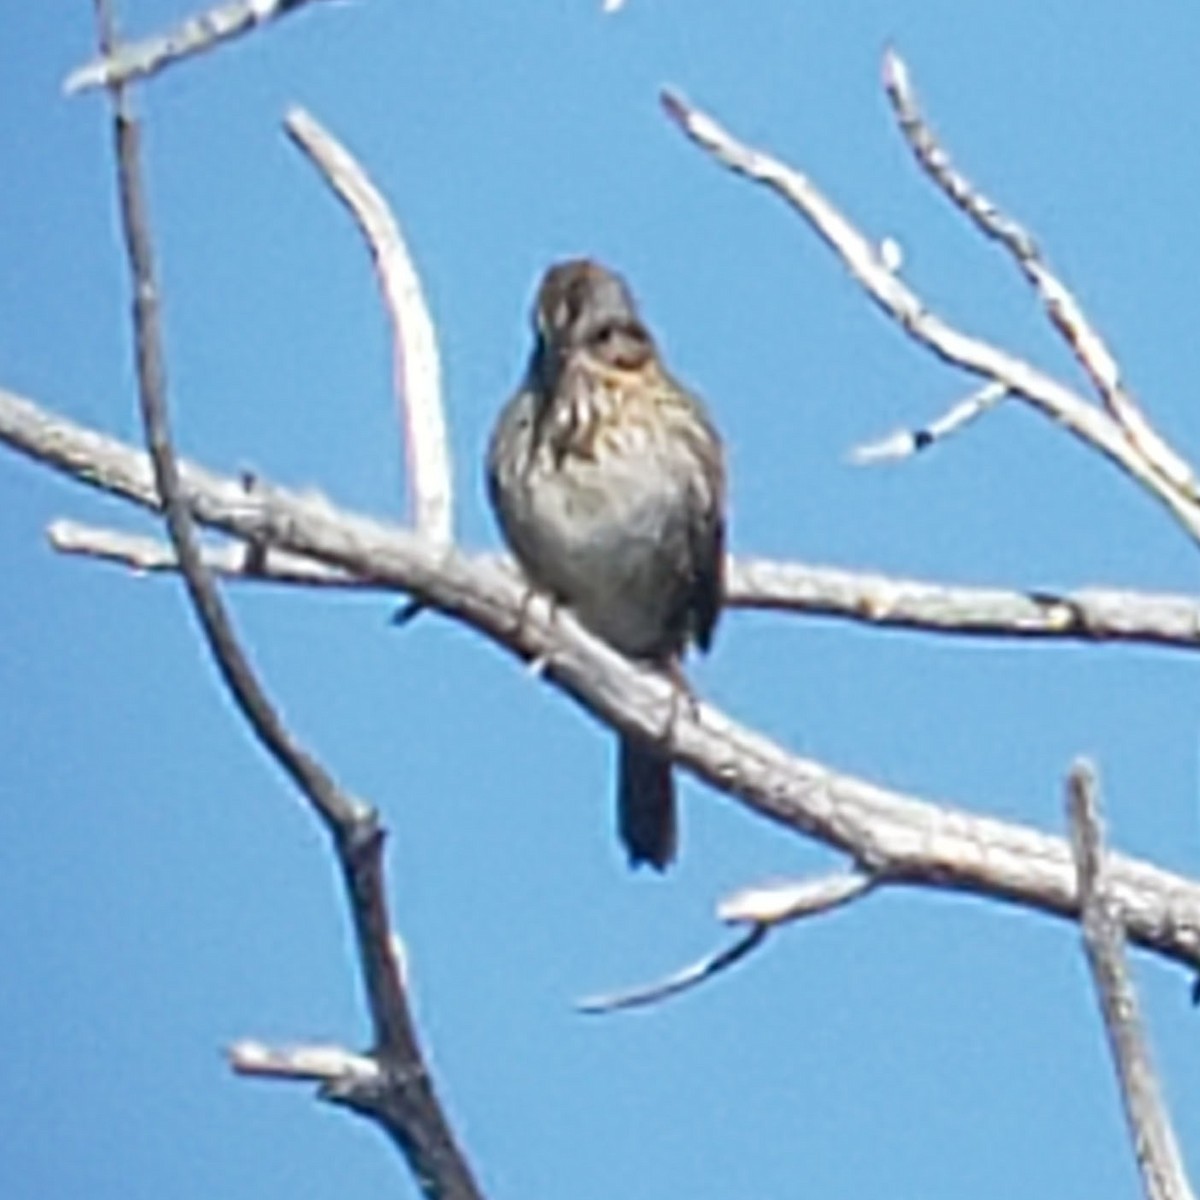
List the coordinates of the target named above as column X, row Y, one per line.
column 628, row 334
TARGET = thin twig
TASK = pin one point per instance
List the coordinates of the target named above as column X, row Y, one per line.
column 901, row 838
column 233, row 561
column 418, row 371
column 907, row 442
column 407, row 1108
column 682, row 981
column 1154, row 1142
column 1064, row 311
column 762, row 908
column 1103, row 615
column 204, row 31
column 875, row 272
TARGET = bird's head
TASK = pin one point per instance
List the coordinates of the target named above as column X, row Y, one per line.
column 584, row 308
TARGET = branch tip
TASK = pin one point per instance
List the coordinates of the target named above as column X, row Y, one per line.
column 674, row 105
column 682, row 981
column 895, row 71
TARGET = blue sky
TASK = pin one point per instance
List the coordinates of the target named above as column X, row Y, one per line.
column 162, row 893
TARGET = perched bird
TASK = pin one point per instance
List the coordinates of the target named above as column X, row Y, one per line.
column 608, row 481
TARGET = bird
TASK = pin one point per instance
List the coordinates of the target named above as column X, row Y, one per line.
column 607, row 478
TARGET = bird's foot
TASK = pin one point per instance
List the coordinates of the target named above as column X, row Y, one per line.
column 683, row 697
column 538, row 663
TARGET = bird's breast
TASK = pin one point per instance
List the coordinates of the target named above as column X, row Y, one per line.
column 608, row 534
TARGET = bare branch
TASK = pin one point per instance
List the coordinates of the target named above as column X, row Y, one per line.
column 762, row 908
column 339, row 811
column 906, row 443
column 234, row 561
column 1061, row 306
column 682, row 981
column 778, row 903
column 205, row 31
column 404, row 1103
column 418, row 372
column 896, row 837
column 307, row 1064
column 1091, row 615
column 1155, row 1145
column 873, row 270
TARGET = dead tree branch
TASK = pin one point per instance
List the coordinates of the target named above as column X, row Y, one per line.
column 681, row 981
column 898, row 838
column 906, row 443
column 204, row 31
column 418, row 370
column 763, row 909
column 400, row 1094
column 1063, row 309
column 1155, row 1145
column 1102, row 615
column 877, row 272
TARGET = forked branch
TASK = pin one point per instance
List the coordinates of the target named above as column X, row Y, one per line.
column 898, row 838
column 399, row 1094
column 1063, row 309
column 1125, row 439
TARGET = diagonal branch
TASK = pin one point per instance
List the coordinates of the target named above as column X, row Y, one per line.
column 762, row 909
column 1064, row 311
column 906, row 443
column 403, row 1100
column 876, row 273
column 897, row 838
column 336, row 809
column 205, row 31
column 683, row 980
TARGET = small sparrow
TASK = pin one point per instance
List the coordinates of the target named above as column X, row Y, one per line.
column 608, row 481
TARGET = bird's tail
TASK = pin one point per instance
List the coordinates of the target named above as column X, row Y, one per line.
column 646, row 805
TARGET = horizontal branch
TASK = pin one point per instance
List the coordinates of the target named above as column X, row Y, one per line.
column 895, row 837
column 1088, row 614
column 329, row 1065
column 1092, row 614
column 233, row 561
